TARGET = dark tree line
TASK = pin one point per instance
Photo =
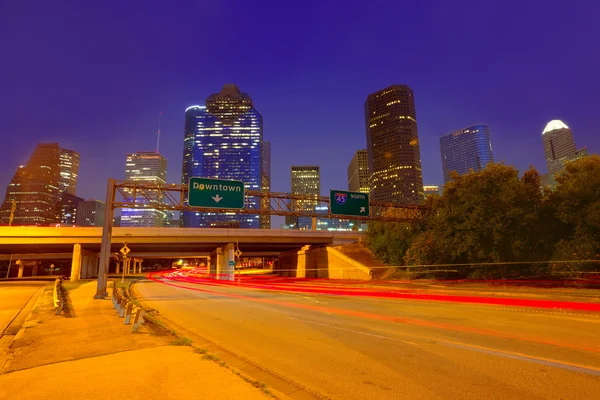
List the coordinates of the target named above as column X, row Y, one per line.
column 496, row 217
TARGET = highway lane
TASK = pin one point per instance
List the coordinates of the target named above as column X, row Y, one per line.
column 344, row 347
column 13, row 297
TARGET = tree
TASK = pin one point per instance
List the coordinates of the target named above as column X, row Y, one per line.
column 576, row 200
column 389, row 241
column 485, row 216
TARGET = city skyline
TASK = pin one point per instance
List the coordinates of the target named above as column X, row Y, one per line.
column 515, row 94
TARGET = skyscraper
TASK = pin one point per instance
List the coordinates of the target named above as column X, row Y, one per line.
column 466, row 149
column 69, row 170
column 559, row 149
column 35, row 189
column 90, row 213
column 223, row 140
column 68, row 207
column 265, row 220
column 393, row 146
column 146, row 167
column 358, row 172
column 306, row 180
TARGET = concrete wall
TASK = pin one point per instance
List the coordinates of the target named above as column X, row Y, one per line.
column 321, row 262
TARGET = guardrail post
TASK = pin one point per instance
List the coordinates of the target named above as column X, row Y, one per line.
column 122, row 308
column 138, row 319
column 118, row 302
column 128, row 310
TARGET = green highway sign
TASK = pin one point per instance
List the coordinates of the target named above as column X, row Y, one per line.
column 345, row 203
column 232, row 263
column 216, row 193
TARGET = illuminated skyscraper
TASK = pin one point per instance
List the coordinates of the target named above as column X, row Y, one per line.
column 35, row 189
column 223, row 140
column 146, row 167
column 466, row 149
column 393, row 146
column 69, row 170
column 358, row 172
column 306, row 180
column 559, row 149
column 265, row 220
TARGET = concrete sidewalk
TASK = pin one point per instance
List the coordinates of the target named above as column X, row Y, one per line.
column 89, row 354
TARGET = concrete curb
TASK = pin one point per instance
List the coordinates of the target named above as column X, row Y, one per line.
column 21, row 331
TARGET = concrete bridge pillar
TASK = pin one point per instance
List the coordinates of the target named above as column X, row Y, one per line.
column 118, row 262
column 301, row 268
column 34, row 271
column 21, row 268
column 127, row 267
column 76, row 263
column 140, row 261
column 92, row 267
column 216, row 262
column 227, row 272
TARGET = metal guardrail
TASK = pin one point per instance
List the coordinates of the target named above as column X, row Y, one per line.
column 59, row 302
column 126, row 309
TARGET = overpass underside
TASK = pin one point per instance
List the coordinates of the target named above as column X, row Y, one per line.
column 220, row 247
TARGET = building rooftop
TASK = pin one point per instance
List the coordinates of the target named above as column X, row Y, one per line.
column 554, row 125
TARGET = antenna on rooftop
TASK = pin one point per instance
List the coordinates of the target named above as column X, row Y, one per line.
column 158, row 133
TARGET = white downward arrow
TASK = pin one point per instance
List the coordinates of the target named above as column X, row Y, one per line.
column 217, row 198
column 362, row 209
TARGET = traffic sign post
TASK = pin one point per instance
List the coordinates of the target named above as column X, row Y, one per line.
column 216, row 193
column 351, row 204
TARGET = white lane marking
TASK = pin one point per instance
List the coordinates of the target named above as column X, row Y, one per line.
column 355, row 331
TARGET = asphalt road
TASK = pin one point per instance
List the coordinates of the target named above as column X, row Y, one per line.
column 13, row 297
column 344, row 347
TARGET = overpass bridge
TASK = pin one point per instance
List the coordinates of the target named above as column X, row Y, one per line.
column 219, row 246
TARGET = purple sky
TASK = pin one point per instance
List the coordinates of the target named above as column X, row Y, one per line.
column 93, row 76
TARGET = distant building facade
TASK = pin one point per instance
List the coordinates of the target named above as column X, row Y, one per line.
column 35, row 188
column 68, row 207
column 393, row 146
column 328, row 224
column 358, row 172
column 559, row 149
column 90, row 213
column 223, row 140
column 145, row 167
column 306, row 180
column 430, row 190
column 466, row 149
column 265, row 220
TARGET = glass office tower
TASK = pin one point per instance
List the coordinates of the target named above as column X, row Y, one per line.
column 466, row 149
column 69, row 170
column 146, row 167
column 223, row 140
